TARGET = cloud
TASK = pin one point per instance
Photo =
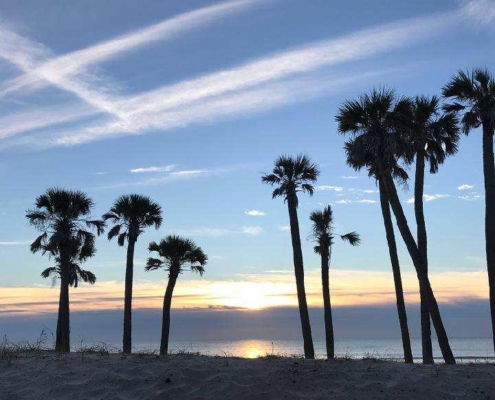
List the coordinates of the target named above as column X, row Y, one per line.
column 285, row 228
column 15, row 243
column 358, row 201
column 330, row 188
column 367, row 191
column 252, row 230
column 350, row 177
column 254, row 213
column 471, row 197
column 166, row 168
column 465, row 187
column 480, row 12
column 430, row 197
column 209, row 232
column 201, row 99
column 366, row 201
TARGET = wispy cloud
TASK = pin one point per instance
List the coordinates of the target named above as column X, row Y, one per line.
column 480, row 11
column 358, row 201
column 430, row 197
column 330, row 188
column 465, row 186
column 14, row 243
column 223, row 94
column 166, row 168
column 210, row 232
column 254, row 213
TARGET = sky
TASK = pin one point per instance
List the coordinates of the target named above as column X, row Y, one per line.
column 189, row 103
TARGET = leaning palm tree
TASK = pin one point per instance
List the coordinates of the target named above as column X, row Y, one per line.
column 291, row 175
column 131, row 214
column 175, row 254
column 474, row 95
column 356, row 156
column 434, row 136
column 377, row 123
column 323, row 235
column 63, row 217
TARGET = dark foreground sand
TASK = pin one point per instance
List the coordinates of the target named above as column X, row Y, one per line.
column 71, row 377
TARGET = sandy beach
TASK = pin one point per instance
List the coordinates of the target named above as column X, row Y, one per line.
column 113, row 377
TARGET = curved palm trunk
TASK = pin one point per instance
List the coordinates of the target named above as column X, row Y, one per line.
column 167, row 305
column 327, row 306
column 419, row 183
column 129, row 272
column 489, row 173
column 309, row 351
column 394, row 260
column 424, row 282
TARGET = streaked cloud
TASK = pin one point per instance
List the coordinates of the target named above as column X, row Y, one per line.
column 465, row 186
column 15, row 243
column 226, row 93
column 254, row 213
column 330, row 188
column 166, row 168
column 430, row 197
column 212, row 232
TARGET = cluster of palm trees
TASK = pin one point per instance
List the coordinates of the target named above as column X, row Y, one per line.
column 386, row 133
column 67, row 236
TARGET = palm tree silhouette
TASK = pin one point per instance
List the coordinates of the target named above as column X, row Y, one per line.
column 356, row 157
column 323, row 235
column 377, row 122
column 435, row 136
column 175, row 254
column 292, row 175
column 131, row 214
column 474, row 95
column 63, row 217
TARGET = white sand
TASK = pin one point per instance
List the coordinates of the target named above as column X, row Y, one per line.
column 177, row 377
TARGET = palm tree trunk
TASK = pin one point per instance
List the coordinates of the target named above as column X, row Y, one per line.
column 394, row 260
column 167, row 304
column 327, row 306
column 309, row 351
column 129, row 272
column 63, row 324
column 419, row 183
column 424, row 282
column 58, row 335
column 489, row 173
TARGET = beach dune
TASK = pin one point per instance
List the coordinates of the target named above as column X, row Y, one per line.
column 115, row 377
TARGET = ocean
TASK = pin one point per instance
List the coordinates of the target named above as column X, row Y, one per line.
column 465, row 349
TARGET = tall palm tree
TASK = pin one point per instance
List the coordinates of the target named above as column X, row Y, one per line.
column 435, row 136
column 377, row 123
column 176, row 254
column 131, row 214
column 63, row 217
column 323, row 235
column 292, row 175
column 356, row 157
column 474, row 95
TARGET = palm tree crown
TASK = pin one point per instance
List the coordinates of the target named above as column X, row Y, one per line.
column 323, row 230
column 63, row 217
column 379, row 123
column 474, row 94
column 292, row 175
column 130, row 215
column 434, row 133
column 177, row 252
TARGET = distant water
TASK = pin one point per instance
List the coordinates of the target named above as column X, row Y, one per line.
column 465, row 349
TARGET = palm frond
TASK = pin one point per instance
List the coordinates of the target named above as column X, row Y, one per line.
column 352, row 238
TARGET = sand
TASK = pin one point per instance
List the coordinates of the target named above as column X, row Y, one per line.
column 112, row 377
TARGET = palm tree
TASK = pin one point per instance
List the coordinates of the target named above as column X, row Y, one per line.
column 435, row 136
column 291, row 175
column 356, row 157
column 474, row 95
column 323, row 235
column 175, row 254
column 377, row 123
column 63, row 217
column 131, row 214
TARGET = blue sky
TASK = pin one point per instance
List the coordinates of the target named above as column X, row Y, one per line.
column 189, row 102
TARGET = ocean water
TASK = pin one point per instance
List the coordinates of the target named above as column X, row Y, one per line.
column 465, row 349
